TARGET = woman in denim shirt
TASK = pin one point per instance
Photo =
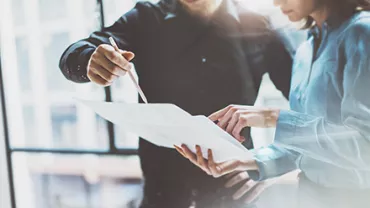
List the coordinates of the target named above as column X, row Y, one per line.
column 326, row 134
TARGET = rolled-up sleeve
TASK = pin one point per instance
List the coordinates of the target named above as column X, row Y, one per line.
column 275, row 160
column 125, row 31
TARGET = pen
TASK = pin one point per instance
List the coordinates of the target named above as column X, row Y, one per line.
column 113, row 43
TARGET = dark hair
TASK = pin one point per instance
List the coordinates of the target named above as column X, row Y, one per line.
column 342, row 6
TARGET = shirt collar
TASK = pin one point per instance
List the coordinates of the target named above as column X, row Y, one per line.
column 231, row 9
column 228, row 6
column 332, row 22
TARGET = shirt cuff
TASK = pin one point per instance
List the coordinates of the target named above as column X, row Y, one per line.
column 286, row 125
column 273, row 161
column 78, row 60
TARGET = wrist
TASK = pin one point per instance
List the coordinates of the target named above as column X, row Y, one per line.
column 249, row 165
column 272, row 117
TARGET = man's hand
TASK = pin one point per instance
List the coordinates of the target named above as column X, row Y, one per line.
column 106, row 65
column 250, row 189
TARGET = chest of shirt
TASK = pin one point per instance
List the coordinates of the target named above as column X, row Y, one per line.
column 317, row 80
column 187, row 58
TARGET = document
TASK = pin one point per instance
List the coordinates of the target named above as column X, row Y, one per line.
column 167, row 125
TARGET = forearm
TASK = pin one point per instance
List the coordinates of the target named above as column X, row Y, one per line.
column 74, row 60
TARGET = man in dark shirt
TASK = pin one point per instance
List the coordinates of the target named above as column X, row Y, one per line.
column 191, row 53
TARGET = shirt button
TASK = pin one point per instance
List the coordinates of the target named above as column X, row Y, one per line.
column 194, row 192
column 204, row 60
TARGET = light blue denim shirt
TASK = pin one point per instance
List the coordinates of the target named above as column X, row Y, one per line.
column 326, row 134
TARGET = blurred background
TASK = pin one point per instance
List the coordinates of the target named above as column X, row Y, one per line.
column 55, row 161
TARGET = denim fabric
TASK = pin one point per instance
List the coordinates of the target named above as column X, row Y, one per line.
column 326, row 133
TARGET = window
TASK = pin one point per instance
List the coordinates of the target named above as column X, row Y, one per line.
column 62, row 152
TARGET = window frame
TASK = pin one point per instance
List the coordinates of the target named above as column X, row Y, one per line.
column 9, row 150
column 6, row 172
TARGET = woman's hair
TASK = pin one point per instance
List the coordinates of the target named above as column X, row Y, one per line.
column 343, row 7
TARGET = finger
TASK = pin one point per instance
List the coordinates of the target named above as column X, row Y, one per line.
column 238, row 129
column 128, row 55
column 97, row 79
column 189, row 154
column 223, row 122
column 255, row 193
column 228, row 167
column 200, row 160
column 115, row 57
column 180, row 150
column 99, row 70
column 109, row 66
column 232, row 123
column 237, row 179
column 219, row 114
column 244, row 189
column 212, row 165
column 230, row 175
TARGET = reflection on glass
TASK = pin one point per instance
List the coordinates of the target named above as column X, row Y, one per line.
column 78, row 181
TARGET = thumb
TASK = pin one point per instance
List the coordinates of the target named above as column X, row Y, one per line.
column 128, row 55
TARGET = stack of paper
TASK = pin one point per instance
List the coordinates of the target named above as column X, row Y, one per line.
column 167, row 125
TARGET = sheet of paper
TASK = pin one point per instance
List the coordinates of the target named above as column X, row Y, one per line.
column 167, row 125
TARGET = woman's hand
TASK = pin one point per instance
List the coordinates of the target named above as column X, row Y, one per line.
column 211, row 167
column 235, row 118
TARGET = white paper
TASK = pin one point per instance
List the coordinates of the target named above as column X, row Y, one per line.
column 167, row 125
